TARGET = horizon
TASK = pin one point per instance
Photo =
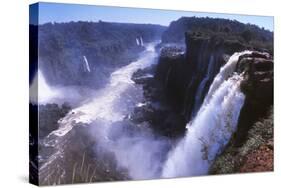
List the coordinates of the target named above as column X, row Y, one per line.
column 64, row 13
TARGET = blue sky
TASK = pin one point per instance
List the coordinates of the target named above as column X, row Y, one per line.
column 58, row 12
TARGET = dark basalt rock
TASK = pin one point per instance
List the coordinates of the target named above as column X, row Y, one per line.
column 181, row 72
column 162, row 117
column 258, row 88
column 170, row 72
column 49, row 115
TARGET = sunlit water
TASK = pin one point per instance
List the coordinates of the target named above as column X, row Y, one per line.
column 137, row 149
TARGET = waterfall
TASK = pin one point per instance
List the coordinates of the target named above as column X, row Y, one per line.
column 134, row 146
column 141, row 41
column 40, row 91
column 86, row 65
column 137, row 41
column 212, row 127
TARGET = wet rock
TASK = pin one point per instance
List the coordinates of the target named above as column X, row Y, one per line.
column 49, row 116
column 258, row 89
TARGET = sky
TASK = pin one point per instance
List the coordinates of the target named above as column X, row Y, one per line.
column 59, row 12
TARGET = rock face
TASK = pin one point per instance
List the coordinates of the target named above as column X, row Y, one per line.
column 84, row 53
column 258, row 88
column 49, row 115
column 163, row 118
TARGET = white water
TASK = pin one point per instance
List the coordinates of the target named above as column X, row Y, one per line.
column 139, row 153
column 212, row 127
column 43, row 93
column 40, row 91
column 101, row 107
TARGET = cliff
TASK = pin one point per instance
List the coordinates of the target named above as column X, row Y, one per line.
column 186, row 75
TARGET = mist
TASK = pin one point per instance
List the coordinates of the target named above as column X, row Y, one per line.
column 41, row 92
column 134, row 147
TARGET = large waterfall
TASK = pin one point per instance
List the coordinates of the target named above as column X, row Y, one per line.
column 212, row 127
column 134, row 146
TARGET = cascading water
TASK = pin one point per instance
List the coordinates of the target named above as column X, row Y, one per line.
column 212, row 127
column 105, row 115
column 134, row 146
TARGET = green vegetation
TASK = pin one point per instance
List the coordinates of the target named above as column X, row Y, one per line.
column 232, row 31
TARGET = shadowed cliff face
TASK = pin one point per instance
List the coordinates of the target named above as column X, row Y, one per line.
column 186, row 74
column 258, row 88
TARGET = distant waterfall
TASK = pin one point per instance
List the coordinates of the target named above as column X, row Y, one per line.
column 86, row 65
column 212, row 127
column 139, row 41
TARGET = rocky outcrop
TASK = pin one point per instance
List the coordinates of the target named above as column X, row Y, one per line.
column 163, row 118
column 258, row 88
column 49, row 115
column 251, row 147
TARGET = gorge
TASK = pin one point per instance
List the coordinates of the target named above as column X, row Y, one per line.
column 137, row 101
